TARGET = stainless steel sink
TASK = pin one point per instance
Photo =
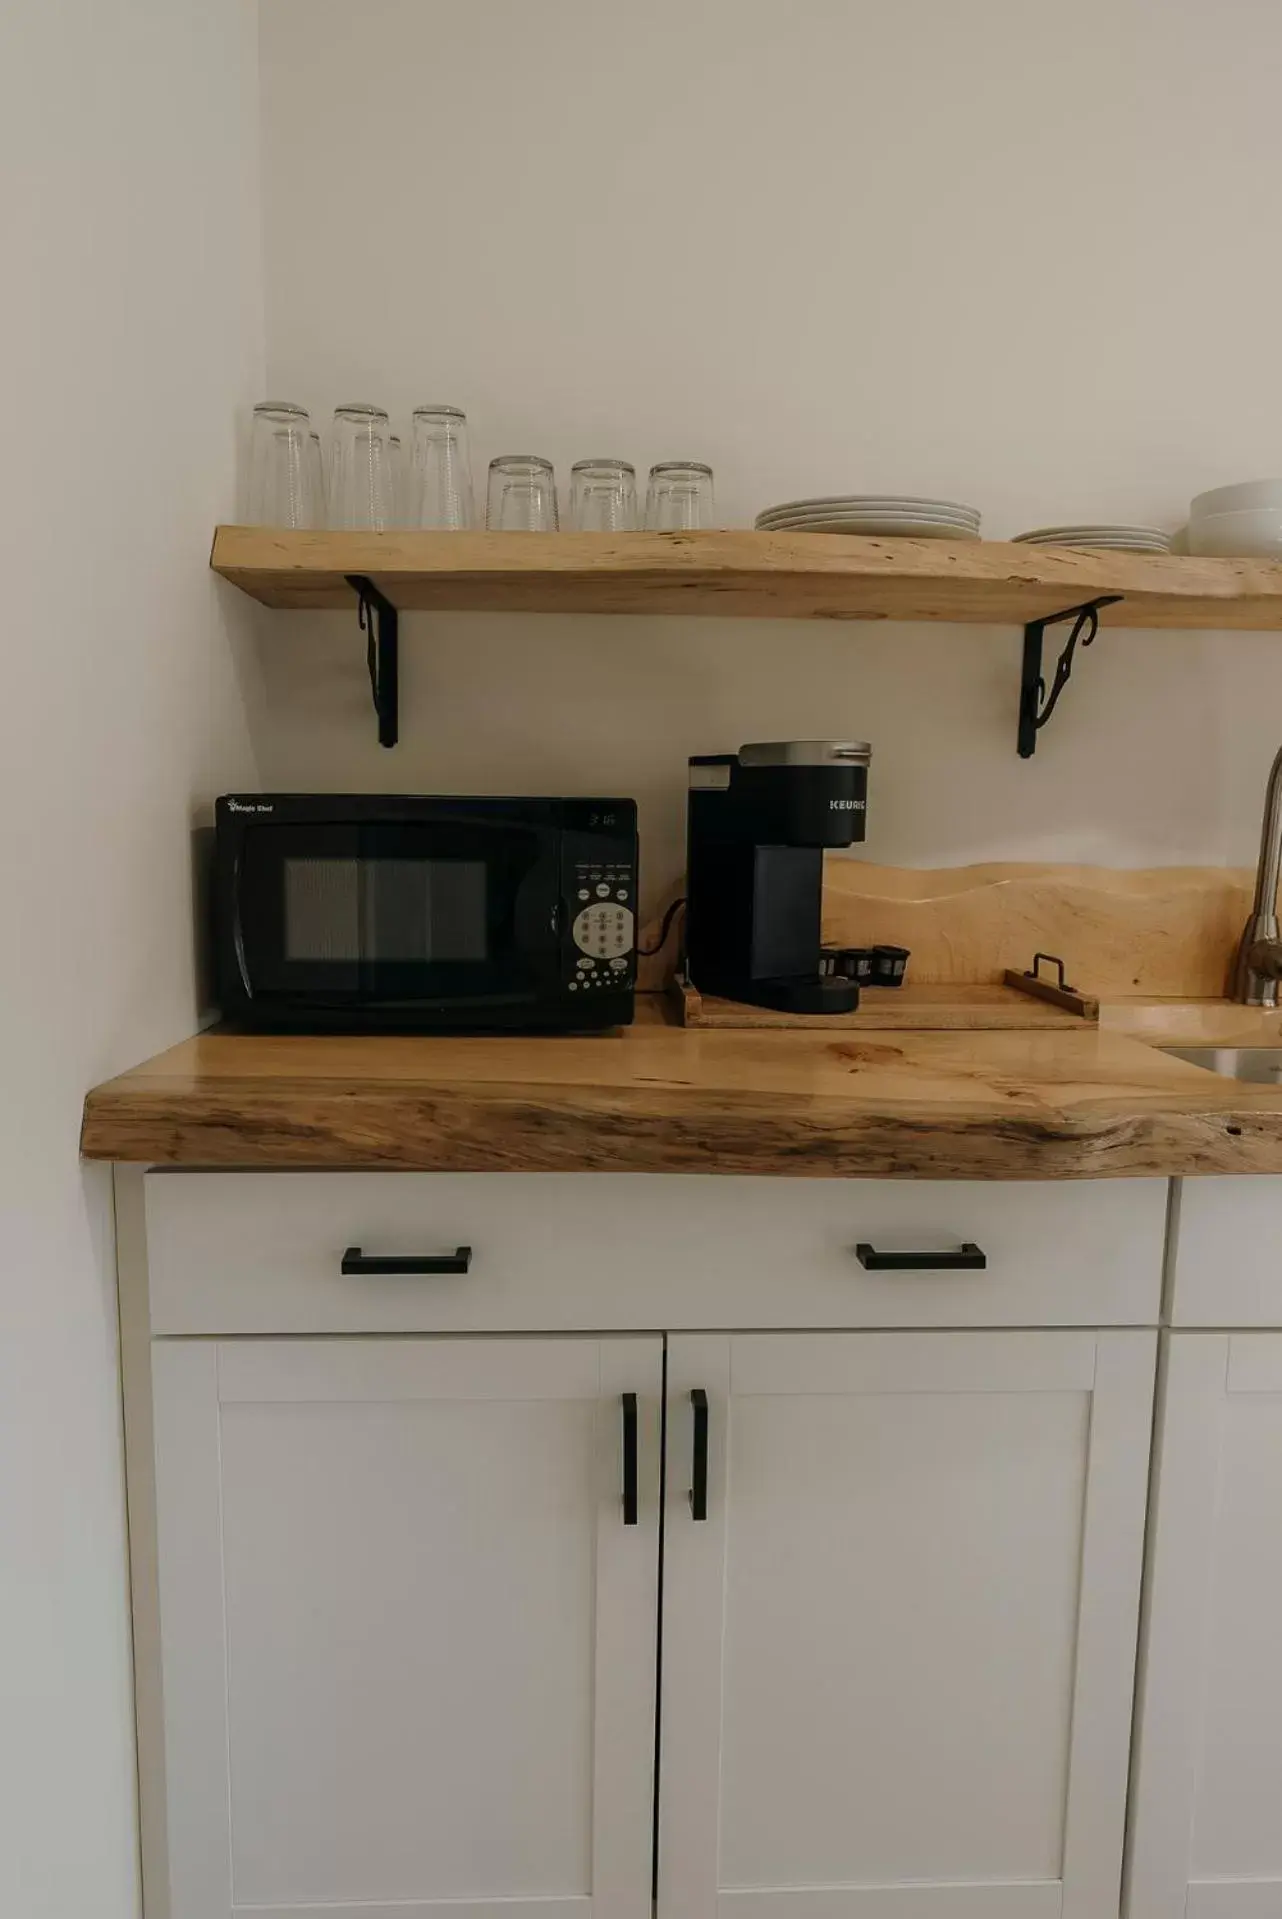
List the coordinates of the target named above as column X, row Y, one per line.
column 1261, row 1065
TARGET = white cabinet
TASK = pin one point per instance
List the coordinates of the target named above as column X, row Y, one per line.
column 399, row 1654
column 898, row 1652
column 1227, row 1253
column 1207, row 1835
column 407, row 1640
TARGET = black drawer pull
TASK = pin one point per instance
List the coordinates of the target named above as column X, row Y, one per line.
column 967, row 1259
column 699, row 1456
column 629, row 1459
column 356, row 1262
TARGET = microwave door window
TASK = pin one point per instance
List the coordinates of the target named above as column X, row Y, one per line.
column 322, row 912
column 386, row 912
column 431, row 910
column 399, row 914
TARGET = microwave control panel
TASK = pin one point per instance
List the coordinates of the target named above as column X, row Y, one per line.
column 603, row 930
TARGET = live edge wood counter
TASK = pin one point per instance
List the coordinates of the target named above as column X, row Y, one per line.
column 657, row 1099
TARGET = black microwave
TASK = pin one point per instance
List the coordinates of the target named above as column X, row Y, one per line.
column 411, row 914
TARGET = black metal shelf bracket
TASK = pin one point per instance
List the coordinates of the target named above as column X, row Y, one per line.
column 380, row 622
column 1035, row 704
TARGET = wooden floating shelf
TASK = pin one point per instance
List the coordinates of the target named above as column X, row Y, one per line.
column 785, row 576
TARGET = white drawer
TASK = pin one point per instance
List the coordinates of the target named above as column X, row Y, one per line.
column 1228, row 1253
column 261, row 1252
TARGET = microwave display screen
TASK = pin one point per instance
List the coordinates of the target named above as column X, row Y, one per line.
column 394, row 910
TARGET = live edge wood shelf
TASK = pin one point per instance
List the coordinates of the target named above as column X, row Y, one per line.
column 745, row 574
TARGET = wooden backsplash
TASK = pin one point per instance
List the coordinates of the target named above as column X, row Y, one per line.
column 1167, row 931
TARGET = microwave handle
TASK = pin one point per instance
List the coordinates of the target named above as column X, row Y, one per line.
column 356, row 1263
column 237, row 929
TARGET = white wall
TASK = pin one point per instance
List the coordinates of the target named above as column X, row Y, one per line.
column 1008, row 251
column 131, row 324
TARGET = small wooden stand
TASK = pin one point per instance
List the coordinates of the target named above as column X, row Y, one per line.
column 908, row 1008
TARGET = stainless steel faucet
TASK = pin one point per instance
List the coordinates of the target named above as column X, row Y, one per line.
column 1258, row 966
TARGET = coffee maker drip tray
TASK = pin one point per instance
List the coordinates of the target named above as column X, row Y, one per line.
column 821, row 994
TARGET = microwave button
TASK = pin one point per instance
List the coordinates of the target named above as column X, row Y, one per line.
column 603, row 930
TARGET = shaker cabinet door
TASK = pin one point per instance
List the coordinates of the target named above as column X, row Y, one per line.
column 1207, row 1838
column 407, row 1638
column 899, row 1623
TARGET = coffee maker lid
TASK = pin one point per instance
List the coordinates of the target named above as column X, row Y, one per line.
column 805, row 753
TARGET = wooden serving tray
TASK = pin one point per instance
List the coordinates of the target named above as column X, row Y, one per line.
column 920, row 1008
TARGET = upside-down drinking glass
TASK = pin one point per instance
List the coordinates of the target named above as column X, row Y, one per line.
column 603, row 496
column 281, row 489
column 400, row 484
column 440, row 469
column 522, row 495
column 362, row 488
column 316, row 480
column 680, row 495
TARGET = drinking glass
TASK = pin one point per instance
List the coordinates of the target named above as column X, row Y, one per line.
column 280, row 484
column 680, row 495
column 400, row 485
column 603, row 496
column 440, row 469
column 361, row 485
column 522, row 495
column 316, row 480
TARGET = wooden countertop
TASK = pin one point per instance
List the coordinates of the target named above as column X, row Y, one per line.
column 1079, row 1104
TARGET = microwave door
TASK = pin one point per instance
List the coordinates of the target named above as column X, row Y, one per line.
column 409, row 914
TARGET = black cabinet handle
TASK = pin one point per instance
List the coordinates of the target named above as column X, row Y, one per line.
column 699, row 1462
column 629, row 1459
column 355, row 1262
column 967, row 1259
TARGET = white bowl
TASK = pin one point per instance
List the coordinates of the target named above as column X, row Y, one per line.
column 1237, row 499
column 1256, row 532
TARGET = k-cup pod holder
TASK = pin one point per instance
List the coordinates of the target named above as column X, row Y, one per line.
column 866, row 965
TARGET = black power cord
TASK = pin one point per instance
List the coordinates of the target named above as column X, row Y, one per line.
column 648, row 952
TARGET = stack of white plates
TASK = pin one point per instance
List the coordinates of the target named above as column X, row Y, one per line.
column 884, row 515
column 1118, row 539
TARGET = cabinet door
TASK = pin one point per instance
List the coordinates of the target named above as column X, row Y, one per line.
column 1207, row 1837
column 407, row 1639
column 899, row 1652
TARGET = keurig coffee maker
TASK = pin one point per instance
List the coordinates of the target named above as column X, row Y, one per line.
column 757, row 825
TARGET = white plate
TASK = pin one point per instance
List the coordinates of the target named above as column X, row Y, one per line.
column 885, row 528
column 876, row 499
column 1102, row 545
column 866, row 513
column 1077, row 535
column 1097, row 545
column 854, row 520
column 843, row 512
column 806, row 508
